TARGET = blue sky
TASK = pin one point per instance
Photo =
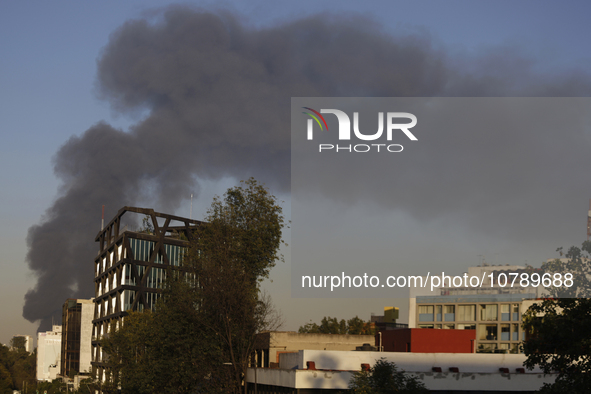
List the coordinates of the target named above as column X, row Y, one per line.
column 48, row 75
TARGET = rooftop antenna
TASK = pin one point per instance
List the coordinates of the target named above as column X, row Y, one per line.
column 482, row 260
column 589, row 221
column 103, row 219
column 191, row 211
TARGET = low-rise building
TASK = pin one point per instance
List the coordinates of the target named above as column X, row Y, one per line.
column 319, row 371
column 270, row 345
column 494, row 308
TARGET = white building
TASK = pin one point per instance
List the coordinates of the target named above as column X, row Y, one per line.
column 317, row 371
column 49, row 346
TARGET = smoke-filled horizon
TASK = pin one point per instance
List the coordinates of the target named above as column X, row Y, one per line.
column 217, row 97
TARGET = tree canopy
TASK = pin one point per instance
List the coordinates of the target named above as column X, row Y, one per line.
column 385, row 378
column 577, row 262
column 330, row 325
column 17, row 367
column 559, row 340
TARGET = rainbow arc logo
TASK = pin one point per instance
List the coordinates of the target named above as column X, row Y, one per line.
column 315, row 115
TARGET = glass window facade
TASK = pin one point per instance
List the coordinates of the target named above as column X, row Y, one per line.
column 141, row 249
column 497, row 324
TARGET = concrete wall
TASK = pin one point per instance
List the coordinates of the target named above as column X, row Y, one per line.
column 300, row 379
column 279, row 342
column 469, row 382
column 415, row 362
column 86, row 335
column 442, row 341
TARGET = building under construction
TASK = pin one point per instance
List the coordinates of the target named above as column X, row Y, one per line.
column 131, row 266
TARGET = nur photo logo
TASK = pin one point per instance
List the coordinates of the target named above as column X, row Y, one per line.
column 393, row 125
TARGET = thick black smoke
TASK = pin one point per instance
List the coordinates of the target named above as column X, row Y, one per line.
column 217, row 94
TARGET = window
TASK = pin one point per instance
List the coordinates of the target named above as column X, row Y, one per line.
column 448, row 326
column 449, row 311
column 515, row 332
column 142, row 250
column 515, row 308
column 505, row 315
column 425, row 312
column 505, row 332
column 466, row 326
column 466, row 313
column 425, row 325
column 489, row 312
column 128, row 297
column 438, row 312
column 487, row 332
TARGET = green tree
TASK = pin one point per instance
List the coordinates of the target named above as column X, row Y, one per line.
column 559, row 340
column 331, row 325
column 328, row 325
column 18, row 344
column 577, row 262
column 5, row 376
column 234, row 251
column 54, row 387
column 384, row 378
column 166, row 351
column 129, row 354
column 201, row 336
column 17, row 367
column 147, row 226
column 356, row 326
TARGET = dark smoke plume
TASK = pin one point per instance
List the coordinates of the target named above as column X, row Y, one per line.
column 217, row 94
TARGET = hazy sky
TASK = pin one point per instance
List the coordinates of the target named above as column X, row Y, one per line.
column 64, row 71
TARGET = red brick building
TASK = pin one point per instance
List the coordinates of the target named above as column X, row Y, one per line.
column 424, row 340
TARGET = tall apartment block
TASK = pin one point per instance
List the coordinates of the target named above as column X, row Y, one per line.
column 77, row 318
column 131, row 266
